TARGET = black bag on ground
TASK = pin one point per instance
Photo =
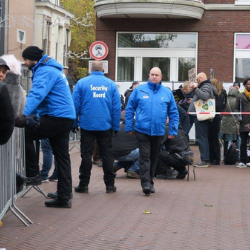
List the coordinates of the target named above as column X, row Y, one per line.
column 232, row 155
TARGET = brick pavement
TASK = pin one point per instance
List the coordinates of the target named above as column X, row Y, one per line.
column 211, row 213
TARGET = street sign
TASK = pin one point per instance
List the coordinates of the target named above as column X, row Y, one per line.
column 98, row 50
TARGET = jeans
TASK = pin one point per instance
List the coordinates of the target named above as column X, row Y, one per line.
column 104, row 140
column 57, row 130
column 47, row 159
column 149, row 147
column 201, row 131
column 132, row 157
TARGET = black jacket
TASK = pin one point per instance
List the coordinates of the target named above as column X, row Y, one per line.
column 7, row 119
column 178, row 144
column 123, row 143
column 127, row 95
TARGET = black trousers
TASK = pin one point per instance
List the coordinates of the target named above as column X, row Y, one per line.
column 57, row 130
column 149, row 147
column 167, row 160
column 104, row 140
column 243, row 147
column 213, row 139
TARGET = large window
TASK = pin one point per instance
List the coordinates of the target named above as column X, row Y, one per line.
column 125, row 69
column 173, row 53
column 162, row 63
column 242, row 57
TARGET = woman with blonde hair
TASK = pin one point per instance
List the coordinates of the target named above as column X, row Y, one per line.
column 214, row 128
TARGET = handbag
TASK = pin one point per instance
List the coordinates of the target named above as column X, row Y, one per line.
column 205, row 106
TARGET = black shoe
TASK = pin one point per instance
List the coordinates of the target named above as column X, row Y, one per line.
column 146, row 190
column 20, row 180
column 55, row 195
column 34, row 181
column 165, row 176
column 63, row 203
column 110, row 189
column 215, row 163
column 82, row 189
column 152, row 190
column 182, row 174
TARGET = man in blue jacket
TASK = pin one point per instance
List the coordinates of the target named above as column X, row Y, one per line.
column 151, row 104
column 98, row 108
column 51, row 99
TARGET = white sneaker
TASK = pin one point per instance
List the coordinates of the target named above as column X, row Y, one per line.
column 241, row 165
column 248, row 164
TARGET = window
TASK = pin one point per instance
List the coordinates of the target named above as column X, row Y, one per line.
column 125, row 69
column 149, row 62
column 173, row 53
column 242, row 2
column 242, row 57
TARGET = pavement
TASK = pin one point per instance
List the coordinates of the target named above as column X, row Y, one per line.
column 211, row 213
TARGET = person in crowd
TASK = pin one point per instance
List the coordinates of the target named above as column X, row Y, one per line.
column 129, row 91
column 229, row 125
column 18, row 100
column 7, row 120
column 184, row 119
column 188, row 94
column 126, row 151
column 175, row 153
column 47, row 162
column 51, row 99
column 152, row 103
column 243, row 105
column 98, row 106
column 214, row 126
column 204, row 91
column 237, row 85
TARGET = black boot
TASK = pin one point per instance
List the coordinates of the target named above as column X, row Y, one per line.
column 54, row 195
column 20, row 180
column 62, row 203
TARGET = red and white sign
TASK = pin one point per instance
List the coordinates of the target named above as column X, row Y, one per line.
column 98, row 50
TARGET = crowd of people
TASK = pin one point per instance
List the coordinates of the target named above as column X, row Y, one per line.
column 147, row 135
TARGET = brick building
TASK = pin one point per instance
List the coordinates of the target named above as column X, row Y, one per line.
column 210, row 35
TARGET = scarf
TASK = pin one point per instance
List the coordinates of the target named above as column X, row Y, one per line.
column 247, row 94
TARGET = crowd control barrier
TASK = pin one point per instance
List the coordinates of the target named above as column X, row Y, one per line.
column 12, row 162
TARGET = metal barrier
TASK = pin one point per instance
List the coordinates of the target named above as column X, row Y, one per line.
column 74, row 138
column 12, row 162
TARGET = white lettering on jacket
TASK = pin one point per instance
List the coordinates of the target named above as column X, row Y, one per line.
column 101, row 88
column 95, row 95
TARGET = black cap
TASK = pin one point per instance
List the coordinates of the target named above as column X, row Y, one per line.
column 32, row 53
column 3, row 63
column 236, row 84
column 134, row 83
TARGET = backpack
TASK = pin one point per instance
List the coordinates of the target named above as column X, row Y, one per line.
column 231, row 156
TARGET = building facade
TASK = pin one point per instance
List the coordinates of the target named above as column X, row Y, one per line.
column 212, row 36
column 42, row 23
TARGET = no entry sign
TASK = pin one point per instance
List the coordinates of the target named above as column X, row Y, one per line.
column 98, row 50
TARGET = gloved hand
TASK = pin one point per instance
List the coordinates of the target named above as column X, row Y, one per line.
column 115, row 133
column 20, row 121
column 32, row 122
column 74, row 130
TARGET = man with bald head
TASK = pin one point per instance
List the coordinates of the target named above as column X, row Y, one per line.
column 98, row 109
column 151, row 104
column 203, row 91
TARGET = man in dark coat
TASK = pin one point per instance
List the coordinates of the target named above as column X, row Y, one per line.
column 176, row 154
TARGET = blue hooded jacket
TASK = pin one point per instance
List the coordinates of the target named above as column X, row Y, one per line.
column 50, row 93
column 97, row 103
column 152, row 103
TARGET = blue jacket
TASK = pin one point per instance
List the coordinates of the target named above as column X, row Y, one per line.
column 50, row 93
column 152, row 103
column 97, row 103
